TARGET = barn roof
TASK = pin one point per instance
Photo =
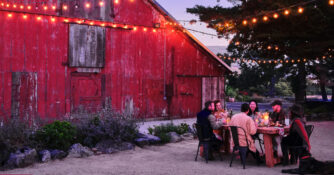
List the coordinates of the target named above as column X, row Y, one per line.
column 192, row 37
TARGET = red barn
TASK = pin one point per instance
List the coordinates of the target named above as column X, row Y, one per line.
column 57, row 56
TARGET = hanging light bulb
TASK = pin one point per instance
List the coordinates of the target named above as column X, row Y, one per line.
column 269, row 47
column 87, row 5
column 265, row 18
column 331, row 2
column 275, row 15
column 65, row 7
column 14, row 6
column 54, row 7
column 135, row 29
column 24, row 16
column 300, row 10
column 21, row 7
column 101, row 3
column 254, row 20
column 103, row 24
column 144, row 29
column 10, row 15
column 53, row 19
column 244, row 22
column 38, row 18
column 7, row 5
column 2, row 4
column 76, row 5
column 45, row 8
column 116, row 1
column 29, row 7
column 286, row 12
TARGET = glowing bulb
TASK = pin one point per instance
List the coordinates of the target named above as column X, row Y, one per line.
column 154, row 30
column 25, row 16
column 2, row 4
column 65, row 7
column 244, row 22
column 66, row 20
column 45, row 7
column 39, row 18
column 53, row 19
column 269, row 47
column 21, row 7
column 300, row 10
column 103, row 24
column 101, row 3
column 173, row 30
column 265, row 18
column 87, row 5
column 276, row 48
column 29, row 7
column 14, row 5
column 91, row 23
column 331, row 2
column 79, row 22
column 7, row 5
column 135, row 29
column 114, row 25
column 254, row 20
column 53, row 7
column 116, row 1
column 145, row 29
column 10, row 15
column 275, row 15
column 125, row 27
column 286, row 12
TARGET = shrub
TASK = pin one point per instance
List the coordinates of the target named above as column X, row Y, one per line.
column 105, row 125
column 162, row 130
column 57, row 135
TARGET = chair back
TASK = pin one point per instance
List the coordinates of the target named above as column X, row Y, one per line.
column 199, row 131
column 309, row 130
column 235, row 135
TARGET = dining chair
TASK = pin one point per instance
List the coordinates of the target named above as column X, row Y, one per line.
column 203, row 141
column 242, row 149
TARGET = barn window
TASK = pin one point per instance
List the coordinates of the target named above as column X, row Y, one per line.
column 87, row 46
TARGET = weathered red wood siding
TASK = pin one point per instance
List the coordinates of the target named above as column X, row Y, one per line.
column 155, row 74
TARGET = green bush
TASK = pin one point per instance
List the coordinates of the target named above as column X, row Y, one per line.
column 57, row 135
column 231, row 92
column 162, row 130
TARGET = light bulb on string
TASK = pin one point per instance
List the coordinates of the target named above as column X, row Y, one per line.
column 265, row 18
column 14, row 6
column 116, row 1
column 254, row 20
column 87, row 5
column 275, row 15
column 300, row 10
column 54, row 7
column 10, row 15
column 286, row 12
column 7, row 5
column 244, row 22
column 21, row 7
column 53, row 19
column 2, row 4
column 135, row 29
column 144, row 29
column 38, row 18
column 331, row 2
column 24, row 16
column 29, row 7
column 45, row 8
column 101, row 3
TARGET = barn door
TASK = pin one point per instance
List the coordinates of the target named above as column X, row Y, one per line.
column 213, row 89
column 189, row 95
column 24, row 94
column 87, row 91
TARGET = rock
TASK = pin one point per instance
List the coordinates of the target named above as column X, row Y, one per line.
column 45, row 155
column 146, row 139
column 109, row 146
column 174, row 137
column 141, row 142
column 78, row 151
column 187, row 136
column 22, row 159
column 58, row 154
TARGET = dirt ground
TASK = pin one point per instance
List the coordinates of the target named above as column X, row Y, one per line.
column 174, row 158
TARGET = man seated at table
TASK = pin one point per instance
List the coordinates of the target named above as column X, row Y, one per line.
column 278, row 115
column 297, row 134
column 247, row 123
column 207, row 120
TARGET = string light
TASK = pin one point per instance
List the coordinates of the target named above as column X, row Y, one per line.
column 39, row 18
column 286, row 12
column 116, row 1
column 331, row 2
column 24, row 16
column 101, row 3
column 300, row 10
column 10, row 15
column 254, row 20
column 29, row 7
column 54, row 7
column 265, row 18
column 21, row 7
column 87, row 5
column 65, row 7
column 45, row 7
column 244, row 22
column 275, row 15
column 14, row 6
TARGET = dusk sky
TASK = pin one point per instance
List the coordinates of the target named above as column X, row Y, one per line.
column 177, row 8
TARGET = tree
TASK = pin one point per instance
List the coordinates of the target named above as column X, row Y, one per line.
column 289, row 37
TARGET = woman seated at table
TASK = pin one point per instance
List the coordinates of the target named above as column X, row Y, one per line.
column 254, row 111
column 297, row 135
column 220, row 115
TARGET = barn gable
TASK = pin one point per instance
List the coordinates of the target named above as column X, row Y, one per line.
column 141, row 66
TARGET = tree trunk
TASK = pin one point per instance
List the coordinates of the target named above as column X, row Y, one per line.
column 301, row 84
column 323, row 91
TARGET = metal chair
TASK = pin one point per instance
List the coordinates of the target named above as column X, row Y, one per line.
column 206, row 142
column 295, row 151
column 242, row 149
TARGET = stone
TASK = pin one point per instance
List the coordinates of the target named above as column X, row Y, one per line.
column 174, row 137
column 146, row 139
column 79, row 151
column 187, row 136
column 22, row 158
column 45, row 156
column 58, row 154
column 106, row 146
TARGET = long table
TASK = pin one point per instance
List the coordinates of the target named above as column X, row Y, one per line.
column 268, row 134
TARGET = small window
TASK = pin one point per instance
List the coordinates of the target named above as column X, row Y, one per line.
column 87, row 46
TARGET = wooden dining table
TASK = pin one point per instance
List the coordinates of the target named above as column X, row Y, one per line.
column 268, row 134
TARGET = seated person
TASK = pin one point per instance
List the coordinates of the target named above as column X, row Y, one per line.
column 208, row 122
column 278, row 115
column 297, row 134
column 220, row 115
column 247, row 123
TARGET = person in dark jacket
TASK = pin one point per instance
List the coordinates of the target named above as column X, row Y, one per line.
column 208, row 122
column 297, row 134
column 278, row 114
